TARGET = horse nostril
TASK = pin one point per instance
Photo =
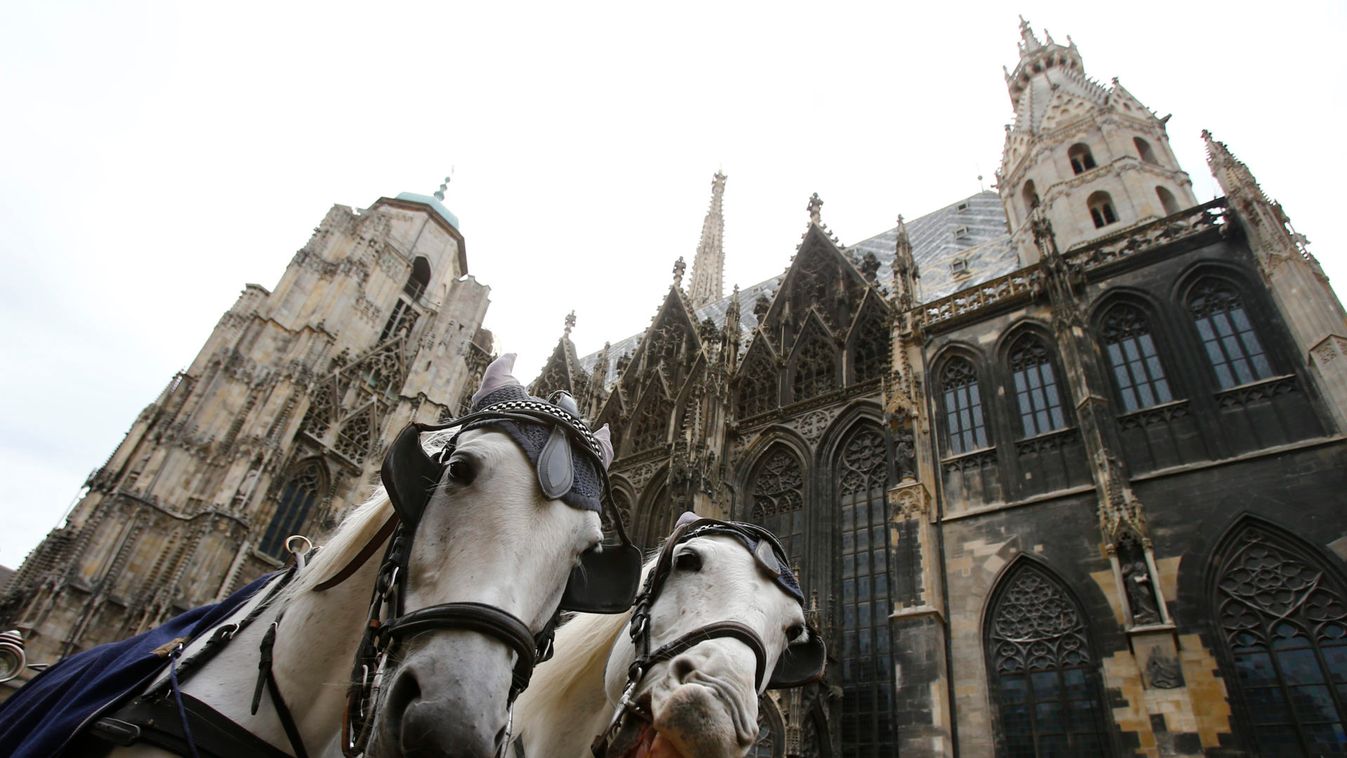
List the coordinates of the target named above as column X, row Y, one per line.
column 405, row 691
column 682, row 668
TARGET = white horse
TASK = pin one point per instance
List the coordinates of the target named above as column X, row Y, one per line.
column 495, row 541
column 489, row 536
column 697, row 693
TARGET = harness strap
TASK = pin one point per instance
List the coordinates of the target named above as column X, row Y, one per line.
column 476, row 617
column 731, row 629
column 365, row 553
column 266, row 676
column 155, row 721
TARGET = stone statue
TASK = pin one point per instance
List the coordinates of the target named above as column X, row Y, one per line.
column 1140, row 594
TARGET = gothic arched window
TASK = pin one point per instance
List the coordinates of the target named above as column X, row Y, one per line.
column 1036, row 392
column 303, row 487
column 869, row 349
column 778, row 499
column 866, row 654
column 1081, row 158
column 419, row 278
column 1101, row 209
column 1042, row 674
column 1228, row 338
column 1167, row 201
column 1029, row 194
column 1137, row 370
column 322, row 409
column 652, row 426
column 353, row 441
column 1144, row 150
column 961, row 398
column 757, row 388
column 815, row 368
column 1283, row 625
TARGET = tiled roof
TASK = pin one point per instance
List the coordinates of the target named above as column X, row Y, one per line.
column 971, row 230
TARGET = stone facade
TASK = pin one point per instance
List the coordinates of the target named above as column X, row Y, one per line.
column 273, row 430
column 1062, row 467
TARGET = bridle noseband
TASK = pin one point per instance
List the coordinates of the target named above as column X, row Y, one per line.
column 794, row 669
column 411, row 478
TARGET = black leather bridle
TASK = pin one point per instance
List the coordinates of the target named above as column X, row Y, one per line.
column 605, row 581
column 801, row 663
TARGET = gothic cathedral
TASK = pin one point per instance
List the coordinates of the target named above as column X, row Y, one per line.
column 1062, row 466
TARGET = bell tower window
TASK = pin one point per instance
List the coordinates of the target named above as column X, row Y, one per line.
column 1101, row 209
column 419, row 279
column 1144, row 150
column 1082, row 159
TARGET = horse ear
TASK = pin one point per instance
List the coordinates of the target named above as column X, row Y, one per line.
column 499, row 374
column 687, row 518
column 605, row 437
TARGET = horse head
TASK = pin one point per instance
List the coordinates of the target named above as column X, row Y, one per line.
column 719, row 620
column 500, row 530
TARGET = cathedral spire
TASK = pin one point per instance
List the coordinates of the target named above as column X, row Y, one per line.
column 1229, row 171
column 708, row 267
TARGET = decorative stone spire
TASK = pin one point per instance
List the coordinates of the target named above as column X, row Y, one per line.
column 570, row 324
column 1037, row 58
column 1229, row 171
column 904, row 269
column 815, row 209
column 678, row 269
column 708, row 267
column 1028, row 40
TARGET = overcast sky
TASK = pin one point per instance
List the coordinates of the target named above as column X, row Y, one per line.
column 155, row 157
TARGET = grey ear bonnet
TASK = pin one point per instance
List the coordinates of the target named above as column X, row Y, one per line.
column 563, row 474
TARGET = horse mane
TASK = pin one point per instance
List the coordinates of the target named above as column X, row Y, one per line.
column 583, row 645
column 354, row 532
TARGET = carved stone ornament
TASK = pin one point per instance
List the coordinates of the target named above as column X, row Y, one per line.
column 1163, row 671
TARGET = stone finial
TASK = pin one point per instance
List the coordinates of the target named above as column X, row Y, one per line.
column 708, row 265
column 444, row 185
column 570, row 324
column 1028, row 41
column 815, row 208
column 678, row 269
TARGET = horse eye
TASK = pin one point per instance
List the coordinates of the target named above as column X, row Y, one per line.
column 461, row 470
column 688, row 560
column 794, row 632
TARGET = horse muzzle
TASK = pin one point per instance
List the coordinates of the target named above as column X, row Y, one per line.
column 703, row 707
column 448, row 698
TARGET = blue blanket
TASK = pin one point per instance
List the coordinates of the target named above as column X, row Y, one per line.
column 43, row 716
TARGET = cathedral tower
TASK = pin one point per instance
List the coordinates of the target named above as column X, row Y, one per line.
column 1091, row 157
column 273, row 430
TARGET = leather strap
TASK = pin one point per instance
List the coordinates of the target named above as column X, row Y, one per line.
column 475, row 617
column 365, row 554
column 730, row 629
column 155, row 721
